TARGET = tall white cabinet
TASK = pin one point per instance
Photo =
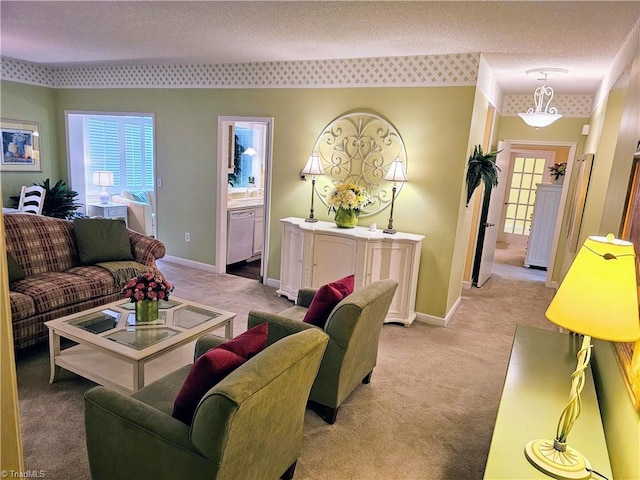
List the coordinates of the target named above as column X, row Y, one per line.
column 314, row 254
column 543, row 224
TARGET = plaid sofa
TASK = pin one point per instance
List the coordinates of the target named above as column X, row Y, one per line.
column 56, row 283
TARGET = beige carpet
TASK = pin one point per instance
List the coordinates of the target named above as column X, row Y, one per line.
column 428, row 412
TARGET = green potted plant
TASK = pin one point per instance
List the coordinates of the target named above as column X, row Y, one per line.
column 482, row 168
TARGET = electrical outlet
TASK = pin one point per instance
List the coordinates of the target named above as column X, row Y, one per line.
column 187, row 237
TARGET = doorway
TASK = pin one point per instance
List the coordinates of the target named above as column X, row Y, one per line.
column 244, row 173
column 507, row 254
column 526, row 170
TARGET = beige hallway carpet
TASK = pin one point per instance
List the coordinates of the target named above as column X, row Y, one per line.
column 428, row 412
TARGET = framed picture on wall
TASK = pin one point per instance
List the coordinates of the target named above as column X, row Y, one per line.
column 629, row 353
column 584, row 164
column 20, row 146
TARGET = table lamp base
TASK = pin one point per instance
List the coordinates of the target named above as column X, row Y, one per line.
column 567, row 465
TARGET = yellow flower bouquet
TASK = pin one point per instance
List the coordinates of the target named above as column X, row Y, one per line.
column 347, row 199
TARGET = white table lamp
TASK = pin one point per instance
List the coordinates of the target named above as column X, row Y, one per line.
column 313, row 168
column 395, row 174
column 103, row 179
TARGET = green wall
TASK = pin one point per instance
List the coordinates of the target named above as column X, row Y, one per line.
column 33, row 104
column 567, row 129
column 434, row 123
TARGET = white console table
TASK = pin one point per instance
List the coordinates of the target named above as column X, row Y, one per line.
column 314, row 254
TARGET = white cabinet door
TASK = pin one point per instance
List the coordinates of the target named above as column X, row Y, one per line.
column 258, row 231
column 333, row 258
column 394, row 261
column 291, row 262
column 314, row 254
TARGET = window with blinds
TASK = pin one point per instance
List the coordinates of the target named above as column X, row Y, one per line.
column 122, row 145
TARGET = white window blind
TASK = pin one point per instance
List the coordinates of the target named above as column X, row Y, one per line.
column 122, row 145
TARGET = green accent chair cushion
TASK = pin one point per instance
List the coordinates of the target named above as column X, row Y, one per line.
column 101, row 240
column 354, row 327
column 248, row 426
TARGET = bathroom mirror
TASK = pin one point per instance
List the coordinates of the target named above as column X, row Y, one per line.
column 359, row 148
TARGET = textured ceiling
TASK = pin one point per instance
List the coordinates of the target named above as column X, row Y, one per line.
column 582, row 37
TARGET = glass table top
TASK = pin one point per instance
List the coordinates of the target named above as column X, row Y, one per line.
column 162, row 319
column 98, row 322
column 118, row 323
column 140, row 338
column 190, row 316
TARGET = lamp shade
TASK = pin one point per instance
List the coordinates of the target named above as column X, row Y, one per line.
column 396, row 172
column 539, row 119
column 598, row 297
column 313, row 166
column 103, row 179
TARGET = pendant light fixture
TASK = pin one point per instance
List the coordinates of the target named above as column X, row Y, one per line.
column 541, row 115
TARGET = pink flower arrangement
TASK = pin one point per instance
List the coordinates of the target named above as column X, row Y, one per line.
column 147, row 287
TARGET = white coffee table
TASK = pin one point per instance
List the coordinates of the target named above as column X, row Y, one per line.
column 113, row 350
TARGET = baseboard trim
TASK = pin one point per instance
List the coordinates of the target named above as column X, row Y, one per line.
column 205, row 267
column 438, row 321
column 272, row 282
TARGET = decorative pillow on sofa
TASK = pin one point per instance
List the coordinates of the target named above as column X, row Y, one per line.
column 326, row 298
column 102, row 240
column 214, row 366
column 15, row 271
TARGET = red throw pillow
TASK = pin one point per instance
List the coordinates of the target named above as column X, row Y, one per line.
column 213, row 366
column 206, row 372
column 327, row 297
column 249, row 343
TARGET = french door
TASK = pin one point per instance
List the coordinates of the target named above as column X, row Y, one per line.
column 527, row 170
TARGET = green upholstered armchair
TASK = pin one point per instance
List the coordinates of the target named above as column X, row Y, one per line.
column 248, row 426
column 353, row 327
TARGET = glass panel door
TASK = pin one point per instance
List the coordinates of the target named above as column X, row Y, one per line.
column 528, row 169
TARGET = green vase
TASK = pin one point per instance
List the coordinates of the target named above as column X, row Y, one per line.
column 346, row 218
column 146, row 311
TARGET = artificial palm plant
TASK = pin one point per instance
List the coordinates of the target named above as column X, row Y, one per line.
column 482, row 168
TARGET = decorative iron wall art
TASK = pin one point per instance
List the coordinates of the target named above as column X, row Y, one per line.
column 359, row 148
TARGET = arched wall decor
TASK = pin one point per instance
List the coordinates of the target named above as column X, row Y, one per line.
column 359, row 148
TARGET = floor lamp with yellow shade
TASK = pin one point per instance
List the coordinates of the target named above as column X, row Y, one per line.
column 597, row 298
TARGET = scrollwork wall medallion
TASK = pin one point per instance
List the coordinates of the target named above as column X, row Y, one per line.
column 359, row 148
